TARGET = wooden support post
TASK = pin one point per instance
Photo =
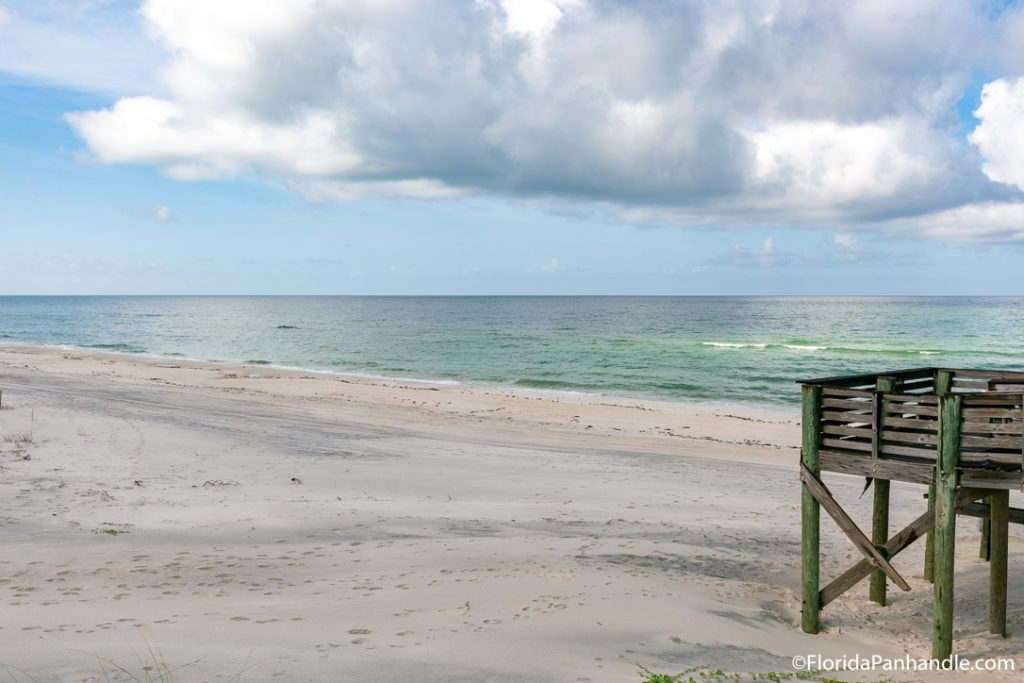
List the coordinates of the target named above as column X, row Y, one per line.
column 943, row 385
column 879, row 534
column 880, row 511
column 985, row 546
column 929, row 542
column 948, row 453
column 999, row 505
column 810, row 512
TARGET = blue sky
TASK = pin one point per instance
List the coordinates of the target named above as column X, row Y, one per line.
column 511, row 147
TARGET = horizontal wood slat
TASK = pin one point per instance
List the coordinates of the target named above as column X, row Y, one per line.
column 846, row 463
column 1001, row 459
column 1005, row 442
column 987, row 374
column 992, row 427
column 910, row 423
column 840, row 392
column 909, row 437
column 927, row 399
column 973, row 384
column 993, row 397
column 912, row 409
column 908, row 451
column 845, row 430
column 976, row 414
column 846, row 403
column 849, row 444
column 990, row 479
column 845, row 416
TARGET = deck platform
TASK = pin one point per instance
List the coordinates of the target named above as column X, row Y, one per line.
column 958, row 432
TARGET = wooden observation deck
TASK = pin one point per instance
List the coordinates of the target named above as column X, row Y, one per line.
column 959, row 432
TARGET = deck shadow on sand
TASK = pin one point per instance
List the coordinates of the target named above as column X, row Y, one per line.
column 752, row 570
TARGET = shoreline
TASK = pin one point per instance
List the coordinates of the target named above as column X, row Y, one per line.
column 322, row 527
column 538, row 407
column 768, row 407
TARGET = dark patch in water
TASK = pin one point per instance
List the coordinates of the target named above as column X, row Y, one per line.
column 256, row 362
column 117, row 347
column 287, row 327
column 549, row 384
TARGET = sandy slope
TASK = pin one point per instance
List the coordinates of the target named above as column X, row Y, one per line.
column 317, row 527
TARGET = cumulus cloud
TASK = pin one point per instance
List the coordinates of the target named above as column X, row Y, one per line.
column 191, row 145
column 552, row 266
column 844, row 247
column 847, row 244
column 993, row 222
column 827, row 167
column 160, row 212
column 760, row 112
column 742, row 255
column 1000, row 136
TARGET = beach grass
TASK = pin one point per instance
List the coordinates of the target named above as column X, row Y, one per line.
column 21, row 437
column 151, row 666
column 705, row 674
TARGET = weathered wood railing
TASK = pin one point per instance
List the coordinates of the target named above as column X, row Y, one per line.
column 960, row 432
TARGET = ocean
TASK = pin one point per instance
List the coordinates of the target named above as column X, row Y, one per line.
column 726, row 350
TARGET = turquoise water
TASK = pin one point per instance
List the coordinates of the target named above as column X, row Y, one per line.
column 747, row 350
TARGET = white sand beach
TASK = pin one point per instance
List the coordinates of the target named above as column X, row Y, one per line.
column 293, row 526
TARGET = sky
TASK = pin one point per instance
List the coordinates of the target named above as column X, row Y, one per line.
column 790, row 147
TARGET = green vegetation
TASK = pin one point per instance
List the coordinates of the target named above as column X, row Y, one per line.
column 705, row 674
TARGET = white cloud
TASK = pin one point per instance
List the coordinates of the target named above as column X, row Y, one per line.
column 552, row 266
column 845, row 247
column 1000, row 135
column 846, row 242
column 193, row 145
column 765, row 256
column 826, row 164
column 327, row 191
column 764, row 112
column 534, row 18
column 160, row 212
column 993, row 222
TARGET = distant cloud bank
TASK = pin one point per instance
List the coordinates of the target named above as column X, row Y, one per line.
column 767, row 112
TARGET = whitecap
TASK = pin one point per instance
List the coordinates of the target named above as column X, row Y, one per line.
column 732, row 345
